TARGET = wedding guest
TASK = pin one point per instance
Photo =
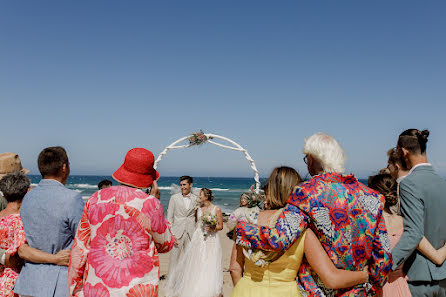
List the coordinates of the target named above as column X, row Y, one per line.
column 9, row 163
column 248, row 210
column 398, row 169
column 198, row 271
column 423, row 207
column 345, row 215
column 105, row 183
column 14, row 186
column 396, row 285
column 181, row 215
column 279, row 277
column 122, row 230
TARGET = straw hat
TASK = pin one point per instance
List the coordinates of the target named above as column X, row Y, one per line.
column 10, row 162
column 137, row 170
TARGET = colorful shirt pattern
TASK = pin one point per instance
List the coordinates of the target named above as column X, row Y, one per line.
column 115, row 252
column 347, row 218
column 12, row 236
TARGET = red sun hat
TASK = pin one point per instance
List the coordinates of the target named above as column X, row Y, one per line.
column 137, row 170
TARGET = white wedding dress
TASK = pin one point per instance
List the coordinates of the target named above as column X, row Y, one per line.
column 198, row 272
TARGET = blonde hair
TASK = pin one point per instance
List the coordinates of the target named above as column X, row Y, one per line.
column 281, row 183
column 327, row 151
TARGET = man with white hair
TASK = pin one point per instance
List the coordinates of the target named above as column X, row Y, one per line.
column 344, row 214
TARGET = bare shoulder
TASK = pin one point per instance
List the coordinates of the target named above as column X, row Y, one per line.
column 265, row 216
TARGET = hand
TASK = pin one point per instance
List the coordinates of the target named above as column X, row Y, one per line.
column 176, row 241
column 366, row 274
column 13, row 261
column 155, row 191
column 62, row 258
column 209, row 228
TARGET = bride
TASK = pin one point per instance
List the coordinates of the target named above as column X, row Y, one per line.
column 198, row 272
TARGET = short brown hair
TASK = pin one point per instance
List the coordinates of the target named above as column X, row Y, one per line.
column 189, row 179
column 51, row 159
column 281, row 183
column 208, row 193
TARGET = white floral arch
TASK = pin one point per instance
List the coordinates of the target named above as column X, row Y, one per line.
column 195, row 140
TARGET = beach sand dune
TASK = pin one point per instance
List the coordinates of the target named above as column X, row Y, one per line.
column 226, row 245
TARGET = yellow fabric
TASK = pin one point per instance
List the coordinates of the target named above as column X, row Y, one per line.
column 275, row 279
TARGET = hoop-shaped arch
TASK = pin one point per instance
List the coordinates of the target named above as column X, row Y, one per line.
column 236, row 147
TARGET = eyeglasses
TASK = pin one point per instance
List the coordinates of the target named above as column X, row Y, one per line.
column 305, row 159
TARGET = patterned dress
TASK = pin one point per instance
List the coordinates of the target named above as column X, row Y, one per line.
column 12, row 236
column 347, row 218
column 115, row 252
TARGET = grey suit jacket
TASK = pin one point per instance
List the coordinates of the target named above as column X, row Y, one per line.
column 423, row 206
column 50, row 214
column 182, row 219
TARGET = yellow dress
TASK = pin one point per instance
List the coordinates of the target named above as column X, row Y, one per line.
column 275, row 279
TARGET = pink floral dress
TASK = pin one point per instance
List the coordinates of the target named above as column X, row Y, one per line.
column 12, row 236
column 115, row 251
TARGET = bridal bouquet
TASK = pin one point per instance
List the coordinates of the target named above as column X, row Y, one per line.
column 209, row 220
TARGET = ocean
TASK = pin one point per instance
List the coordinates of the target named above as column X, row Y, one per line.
column 226, row 190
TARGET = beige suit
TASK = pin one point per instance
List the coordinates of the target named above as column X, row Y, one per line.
column 182, row 220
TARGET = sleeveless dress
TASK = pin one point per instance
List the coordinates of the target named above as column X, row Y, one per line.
column 396, row 285
column 12, row 236
column 198, row 272
column 275, row 279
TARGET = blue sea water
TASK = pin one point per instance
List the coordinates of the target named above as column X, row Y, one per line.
column 226, row 190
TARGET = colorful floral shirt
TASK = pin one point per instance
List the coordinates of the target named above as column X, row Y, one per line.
column 12, row 236
column 347, row 218
column 115, row 251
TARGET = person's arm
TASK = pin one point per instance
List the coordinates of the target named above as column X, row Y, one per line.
column 219, row 220
column 412, row 209
column 290, row 224
column 79, row 253
column 163, row 237
column 75, row 211
column 331, row 276
column 171, row 210
column 237, row 263
column 380, row 263
column 34, row 255
column 436, row 256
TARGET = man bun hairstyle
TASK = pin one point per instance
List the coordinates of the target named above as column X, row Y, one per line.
column 208, row 193
column 51, row 160
column 386, row 185
column 414, row 140
column 188, row 178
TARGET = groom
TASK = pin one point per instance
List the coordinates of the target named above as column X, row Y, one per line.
column 181, row 215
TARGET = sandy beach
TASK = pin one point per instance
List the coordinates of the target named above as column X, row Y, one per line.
column 226, row 245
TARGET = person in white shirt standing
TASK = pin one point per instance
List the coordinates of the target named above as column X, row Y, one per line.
column 181, row 215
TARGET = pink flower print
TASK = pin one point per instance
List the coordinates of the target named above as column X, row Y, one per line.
column 118, row 252
column 99, row 211
column 125, row 194
column 153, row 209
column 98, row 290
column 143, row 291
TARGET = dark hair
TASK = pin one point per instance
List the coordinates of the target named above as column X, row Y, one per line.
column 104, row 183
column 386, row 185
column 188, row 178
column 281, row 183
column 208, row 193
column 14, row 186
column 51, row 160
column 414, row 141
column 395, row 158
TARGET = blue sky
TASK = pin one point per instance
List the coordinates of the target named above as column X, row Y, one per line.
column 101, row 77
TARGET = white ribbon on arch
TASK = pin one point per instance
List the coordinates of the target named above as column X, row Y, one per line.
column 236, row 147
